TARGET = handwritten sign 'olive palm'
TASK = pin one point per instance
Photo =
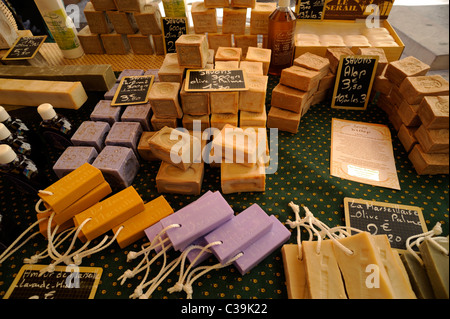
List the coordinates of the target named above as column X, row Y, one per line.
column 354, row 81
column 133, row 90
column 215, row 80
column 25, row 48
column 172, row 29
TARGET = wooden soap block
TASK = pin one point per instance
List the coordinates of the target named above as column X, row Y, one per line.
column 245, row 41
column 406, row 136
column 242, row 3
column 130, row 5
column 414, row 89
column 104, row 5
column 171, row 179
column 300, row 78
column 140, row 44
column 204, row 19
column 219, row 40
column 382, row 59
column 254, row 99
column 429, row 164
column 219, row 120
column 397, row 71
column 149, row 20
column 283, row 120
column 252, row 67
column 228, row 54
column 158, row 123
column 123, row 22
column 194, row 103
column 233, row 21
column 236, row 178
column 192, row 50
column 224, row 102
column 259, row 19
column 226, row 65
column 288, row 98
column 163, row 97
column 115, row 43
column 97, row 20
column 259, row 55
column 201, row 124
column 253, row 119
column 334, row 56
column 216, row 3
column 433, row 141
column 313, row 62
column 143, row 147
column 91, row 43
column 434, row 112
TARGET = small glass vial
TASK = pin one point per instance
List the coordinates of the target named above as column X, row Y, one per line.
column 13, row 124
column 55, row 128
column 281, row 37
column 18, row 143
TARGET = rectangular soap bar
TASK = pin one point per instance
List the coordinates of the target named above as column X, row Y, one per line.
column 414, row 89
column 237, row 178
column 433, row 141
column 300, row 78
column 91, row 133
column 43, row 225
column 197, row 220
column 287, row 98
column 239, row 233
column 72, row 158
column 294, row 271
column 109, row 213
column 436, row 263
column 284, row 120
column 134, row 227
column 171, row 179
column 428, row 164
column 263, row 247
column 66, row 95
column 417, row 276
column 397, row 71
column 434, row 112
column 91, row 42
column 103, row 111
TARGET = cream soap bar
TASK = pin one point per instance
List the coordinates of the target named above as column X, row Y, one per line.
column 171, row 179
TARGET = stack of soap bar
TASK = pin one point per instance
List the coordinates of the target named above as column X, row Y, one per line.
column 124, row 134
column 103, row 111
column 140, row 113
column 72, row 158
column 414, row 89
column 192, row 50
column 334, row 56
column 91, row 133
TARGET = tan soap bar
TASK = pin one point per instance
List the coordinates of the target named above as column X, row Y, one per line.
column 287, row 98
column 245, row 41
column 414, row 89
column 219, row 40
column 189, row 123
column 313, row 62
column 259, row 55
column 104, row 5
column 382, row 84
column 204, row 19
column 397, row 71
column 143, row 147
column 434, row 112
column 158, row 123
column 228, row 54
column 283, row 120
column 149, row 19
column 171, row 73
column 327, row 82
column 97, row 20
column 433, row 141
column 428, row 164
column 294, row 271
column 234, row 20
column 320, row 96
column 237, row 178
column 130, row 5
column 259, row 19
column 254, row 99
column 66, row 95
column 192, row 50
column 163, row 97
column 224, row 102
column 408, row 114
column 140, row 44
column 216, row 3
column 382, row 59
column 300, row 78
column 115, row 43
column 194, row 103
column 158, row 42
column 123, row 22
column 242, row 3
column 251, row 67
column 91, row 43
column 436, row 264
column 219, row 120
column 253, row 119
column 226, row 65
column 171, row 179
column 334, row 56
column 406, row 136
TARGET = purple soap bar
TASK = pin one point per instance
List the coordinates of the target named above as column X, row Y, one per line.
column 153, row 72
column 153, row 231
column 129, row 72
column 118, row 164
column 197, row 219
column 263, row 247
column 112, row 91
column 103, row 111
column 239, row 233
column 125, row 134
column 91, row 133
column 141, row 113
column 72, row 158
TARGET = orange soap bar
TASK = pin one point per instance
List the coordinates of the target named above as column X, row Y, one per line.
column 43, row 225
column 72, row 187
column 109, row 213
column 133, row 228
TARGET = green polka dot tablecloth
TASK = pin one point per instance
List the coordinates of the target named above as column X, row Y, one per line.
column 302, row 177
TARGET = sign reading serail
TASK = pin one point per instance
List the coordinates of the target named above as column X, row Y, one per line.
column 356, row 9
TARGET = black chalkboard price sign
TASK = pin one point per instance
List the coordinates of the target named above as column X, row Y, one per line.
column 354, row 81
column 310, row 9
column 25, row 48
column 397, row 222
column 215, row 80
column 172, row 29
column 133, row 90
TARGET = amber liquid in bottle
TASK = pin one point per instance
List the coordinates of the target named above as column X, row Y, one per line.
column 281, row 37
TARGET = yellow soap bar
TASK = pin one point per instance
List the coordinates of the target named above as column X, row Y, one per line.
column 133, row 228
column 72, row 187
column 295, row 273
column 109, row 213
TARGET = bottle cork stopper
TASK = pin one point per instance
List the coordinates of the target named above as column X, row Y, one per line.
column 46, row 111
column 4, row 132
column 7, row 154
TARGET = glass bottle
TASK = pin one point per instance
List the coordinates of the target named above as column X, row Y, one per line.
column 17, row 142
column 13, row 124
column 55, row 128
column 281, row 37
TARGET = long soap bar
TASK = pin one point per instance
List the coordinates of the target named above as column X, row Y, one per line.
column 66, row 95
column 43, row 225
column 110, row 213
column 134, row 227
column 239, row 233
column 436, row 264
column 417, row 276
column 263, row 247
column 197, row 220
column 294, row 271
column 72, row 187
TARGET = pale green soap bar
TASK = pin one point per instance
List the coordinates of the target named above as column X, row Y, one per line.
column 436, row 264
column 417, row 276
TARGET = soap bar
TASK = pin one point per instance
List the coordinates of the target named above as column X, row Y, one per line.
column 219, row 120
column 397, row 71
column 133, row 228
column 313, row 62
column 300, row 78
column 436, row 265
column 140, row 44
column 259, row 55
column 224, row 102
column 97, row 20
column 123, row 22
column 140, row 113
column 414, row 89
column 91, row 133
column 163, row 97
column 118, row 164
column 189, row 122
column 125, row 134
column 171, row 179
column 115, row 43
column 259, row 19
column 406, row 136
column 194, row 103
column 284, row 120
column 408, row 114
column 251, row 67
column 216, row 3
column 104, row 5
column 287, row 98
column 204, row 19
column 334, row 56
column 103, row 111
column 109, row 95
column 43, row 225
column 151, row 233
column 197, row 220
column 263, row 247
column 254, row 99
column 192, row 50
column 295, row 273
column 228, row 54
column 238, row 178
column 429, row 164
column 243, row 3
column 66, row 95
column 245, row 41
column 417, row 276
column 433, row 141
column 327, row 82
column 158, row 123
column 109, row 213
column 72, row 158
column 158, row 43
column 216, row 40
column 253, row 119
column 149, row 19
column 143, row 147
column 130, row 5
column 434, row 112
column 171, row 73
column 226, row 65
column 234, row 20
column 91, row 42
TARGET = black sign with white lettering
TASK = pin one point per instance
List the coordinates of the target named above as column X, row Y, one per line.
column 215, row 80
column 310, row 9
column 354, row 82
column 133, row 90
column 25, row 48
column 398, row 222
column 172, row 29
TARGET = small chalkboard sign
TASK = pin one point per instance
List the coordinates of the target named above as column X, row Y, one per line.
column 172, row 29
column 133, row 90
column 310, row 9
column 25, row 48
column 354, row 81
column 215, row 80
column 65, row 282
column 398, row 222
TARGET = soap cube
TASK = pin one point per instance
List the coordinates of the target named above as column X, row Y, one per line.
column 149, row 20
column 397, row 71
column 259, row 55
column 216, row 3
column 72, row 158
column 153, row 72
column 300, row 78
column 228, row 54
column 163, row 97
column 158, row 43
column 140, row 44
column 130, row 5
column 382, row 59
column 434, row 112
column 234, row 21
column 406, row 136
column 140, row 113
column 283, row 120
column 433, row 141
column 171, row 179
column 238, row 178
column 158, row 123
column 245, row 41
column 103, row 111
column 194, row 103
column 252, row 67
column 219, row 120
column 428, row 164
column 327, row 82
column 129, row 72
column 91, row 133
column 91, row 42
column 104, row 5
column 408, row 114
column 123, row 22
column 118, row 165
column 204, row 19
column 259, row 19
column 242, row 3
column 253, row 119
column 226, row 65
column 124, row 134
column 143, row 147
column 109, row 95
column 287, row 98
column 334, row 56
column 115, row 43
column 414, row 89
column 97, row 20
column 219, row 40
column 224, row 102
column 201, row 124
column 171, row 73
column 254, row 99
column 313, row 62
column 192, row 50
